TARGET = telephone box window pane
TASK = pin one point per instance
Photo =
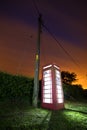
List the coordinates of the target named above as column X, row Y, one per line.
column 59, row 95
column 47, row 73
column 45, row 100
column 58, row 87
column 58, row 78
column 60, row 100
column 47, row 96
column 58, row 82
column 47, row 91
column 48, row 87
column 57, row 72
column 59, row 91
column 47, row 79
column 48, row 82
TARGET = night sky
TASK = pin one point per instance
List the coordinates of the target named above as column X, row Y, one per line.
column 67, row 20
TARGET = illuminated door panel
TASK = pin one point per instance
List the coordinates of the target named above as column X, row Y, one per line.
column 47, row 91
column 59, row 95
column 59, row 90
column 58, row 87
column 47, row 96
column 47, row 87
column 47, row 79
column 47, row 73
column 60, row 100
column 46, row 100
column 47, row 83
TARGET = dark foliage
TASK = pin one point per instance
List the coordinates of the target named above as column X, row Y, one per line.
column 85, row 93
column 15, row 87
column 73, row 92
column 67, row 77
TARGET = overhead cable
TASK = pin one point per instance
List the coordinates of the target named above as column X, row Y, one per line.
column 53, row 36
column 58, row 43
column 36, row 7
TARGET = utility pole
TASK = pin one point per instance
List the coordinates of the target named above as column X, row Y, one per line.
column 37, row 64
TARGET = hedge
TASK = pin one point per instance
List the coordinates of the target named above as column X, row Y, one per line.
column 15, row 87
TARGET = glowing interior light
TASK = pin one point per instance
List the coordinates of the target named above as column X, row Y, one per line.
column 59, row 91
column 47, row 90
column 47, row 95
column 59, row 83
column 47, row 75
column 47, row 78
column 57, row 75
column 47, row 66
column 58, row 87
column 56, row 66
column 48, row 82
column 47, row 72
column 46, row 100
column 57, row 72
column 57, row 79
column 59, row 95
column 48, row 87
column 60, row 100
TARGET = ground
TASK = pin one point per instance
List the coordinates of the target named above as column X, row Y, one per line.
column 19, row 116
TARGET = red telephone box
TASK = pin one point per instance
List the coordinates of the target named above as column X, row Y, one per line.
column 52, row 91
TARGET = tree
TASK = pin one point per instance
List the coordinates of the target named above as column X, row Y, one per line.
column 72, row 92
column 67, row 77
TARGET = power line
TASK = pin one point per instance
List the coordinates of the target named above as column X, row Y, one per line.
column 67, row 53
column 52, row 35
column 36, row 7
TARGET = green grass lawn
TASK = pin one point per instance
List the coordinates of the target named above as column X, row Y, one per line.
column 73, row 117
column 23, row 117
column 16, row 116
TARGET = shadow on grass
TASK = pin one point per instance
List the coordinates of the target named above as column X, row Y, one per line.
column 60, row 121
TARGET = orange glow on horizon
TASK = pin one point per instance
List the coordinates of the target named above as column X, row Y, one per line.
column 17, row 52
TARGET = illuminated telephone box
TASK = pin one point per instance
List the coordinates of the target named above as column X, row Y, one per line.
column 52, row 91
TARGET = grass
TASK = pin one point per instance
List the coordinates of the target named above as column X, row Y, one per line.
column 18, row 116
column 73, row 117
column 67, row 120
column 77, row 106
column 32, row 118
